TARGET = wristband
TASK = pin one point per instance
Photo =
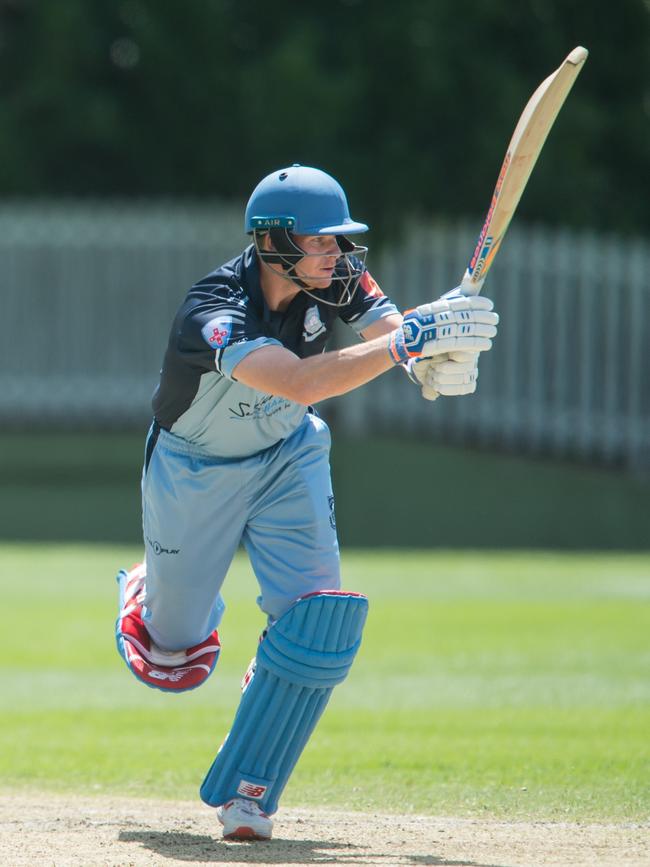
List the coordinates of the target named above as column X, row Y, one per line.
column 397, row 347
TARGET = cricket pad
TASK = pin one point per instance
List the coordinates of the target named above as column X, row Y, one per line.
column 176, row 672
column 303, row 656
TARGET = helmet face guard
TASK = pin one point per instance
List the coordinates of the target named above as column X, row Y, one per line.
column 300, row 200
column 350, row 264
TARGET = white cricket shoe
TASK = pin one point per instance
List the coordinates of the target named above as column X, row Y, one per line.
column 244, row 820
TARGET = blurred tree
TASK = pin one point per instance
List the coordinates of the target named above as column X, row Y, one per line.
column 410, row 104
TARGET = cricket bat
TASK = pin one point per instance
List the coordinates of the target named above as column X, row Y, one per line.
column 525, row 146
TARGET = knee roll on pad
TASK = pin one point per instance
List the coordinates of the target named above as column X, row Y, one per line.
column 303, row 656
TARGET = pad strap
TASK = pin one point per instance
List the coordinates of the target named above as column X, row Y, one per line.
column 304, row 655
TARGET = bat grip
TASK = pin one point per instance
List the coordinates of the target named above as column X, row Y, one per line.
column 469, row 286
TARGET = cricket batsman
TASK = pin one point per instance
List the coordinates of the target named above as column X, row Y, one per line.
column 236, row 454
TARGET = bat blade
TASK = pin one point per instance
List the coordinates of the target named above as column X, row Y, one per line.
column 523, row 150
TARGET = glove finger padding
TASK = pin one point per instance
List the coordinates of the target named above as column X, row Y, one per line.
column 472, row 304
column 454, row 368
column 451, row 378
column 443, row 375
column 418, row 368
column 452, row 390
column 464, row 356
column 464, row 343
column 430, row 393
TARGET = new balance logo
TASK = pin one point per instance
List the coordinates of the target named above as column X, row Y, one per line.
column 250, row 790
column 174, row 675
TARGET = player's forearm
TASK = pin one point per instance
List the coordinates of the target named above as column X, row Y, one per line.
column 321, row 376
column 276, row 370
column 450, row 324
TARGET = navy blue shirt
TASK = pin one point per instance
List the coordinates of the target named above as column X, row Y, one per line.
column 223, row 318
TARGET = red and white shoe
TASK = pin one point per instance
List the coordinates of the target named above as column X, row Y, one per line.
column 244, row 820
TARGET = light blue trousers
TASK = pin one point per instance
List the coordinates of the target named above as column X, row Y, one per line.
column 197, row 509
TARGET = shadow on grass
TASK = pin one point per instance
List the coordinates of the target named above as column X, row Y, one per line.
column 204, row 849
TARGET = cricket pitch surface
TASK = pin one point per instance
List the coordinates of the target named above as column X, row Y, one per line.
column 63, row 830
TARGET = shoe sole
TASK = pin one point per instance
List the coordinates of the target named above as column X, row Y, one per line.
column 245, row 833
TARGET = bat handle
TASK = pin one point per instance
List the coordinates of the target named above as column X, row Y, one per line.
column 469, row 286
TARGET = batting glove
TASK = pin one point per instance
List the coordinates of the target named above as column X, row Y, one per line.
column 450, row 374
column 451, row 324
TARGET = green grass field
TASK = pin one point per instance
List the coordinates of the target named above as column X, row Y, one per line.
column 488, row 684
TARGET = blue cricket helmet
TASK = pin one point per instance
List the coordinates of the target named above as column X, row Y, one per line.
column 303, row 200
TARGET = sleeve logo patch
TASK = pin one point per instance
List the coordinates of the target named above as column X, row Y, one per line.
column 217, row 331
column 370, row 285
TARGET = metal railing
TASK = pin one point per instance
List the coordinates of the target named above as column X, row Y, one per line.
column 89, row 291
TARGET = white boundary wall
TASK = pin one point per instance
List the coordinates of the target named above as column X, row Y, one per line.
column 89, row 290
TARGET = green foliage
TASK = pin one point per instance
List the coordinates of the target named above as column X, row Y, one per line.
column 487, row 684
column 411, row 104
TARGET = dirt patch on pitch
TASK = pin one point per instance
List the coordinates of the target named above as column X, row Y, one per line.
column 66, row 830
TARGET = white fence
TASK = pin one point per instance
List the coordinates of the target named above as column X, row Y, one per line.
column 568, row 372
column 89, row 291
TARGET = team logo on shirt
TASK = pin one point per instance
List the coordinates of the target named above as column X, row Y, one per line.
column 267, row 406
column 313, row 325
column 217, row 331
